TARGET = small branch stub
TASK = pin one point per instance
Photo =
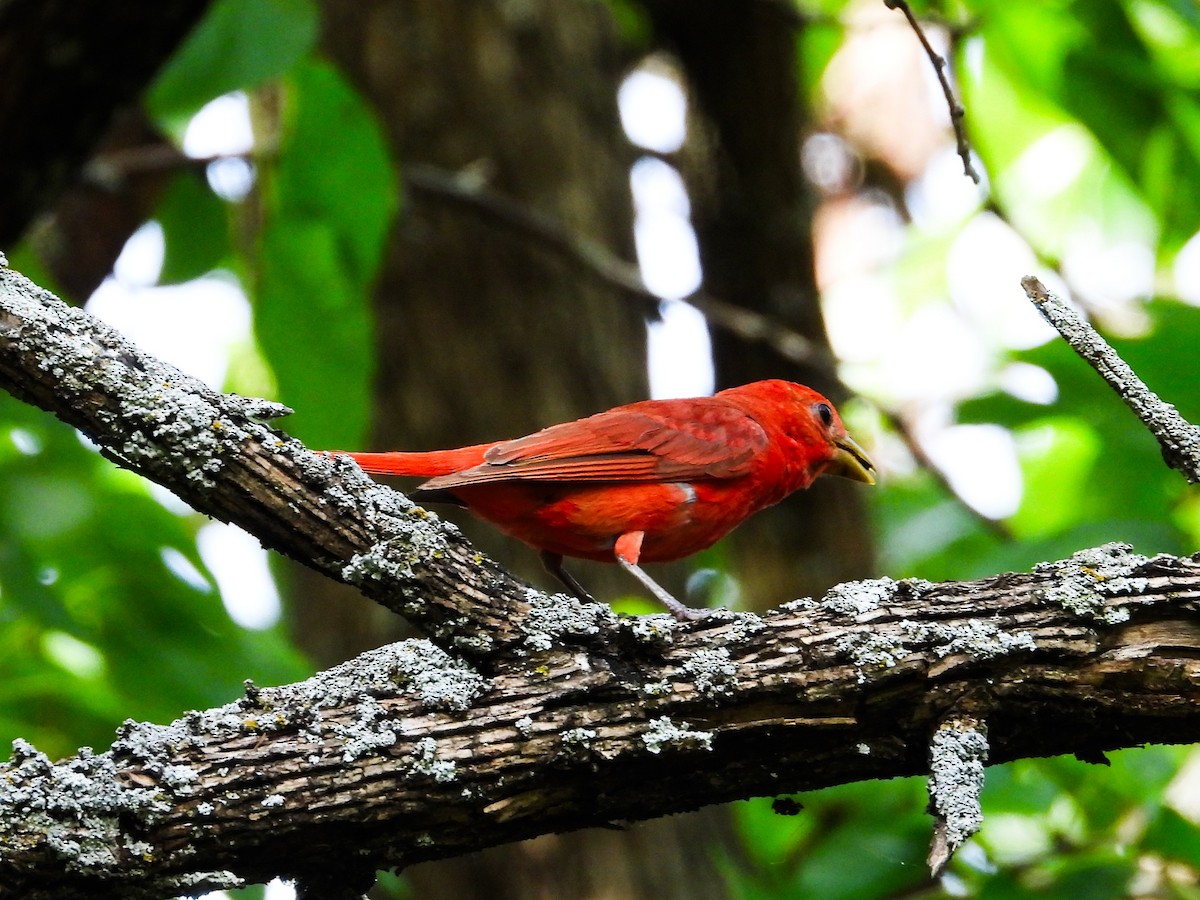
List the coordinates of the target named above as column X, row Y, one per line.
column 957, row 755
column 1178, row 438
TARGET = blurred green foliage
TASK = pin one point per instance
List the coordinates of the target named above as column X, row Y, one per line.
column 107, row 611
column 329, row 197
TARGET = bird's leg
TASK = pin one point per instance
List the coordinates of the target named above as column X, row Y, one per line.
column 627, row 551
column 554, row 565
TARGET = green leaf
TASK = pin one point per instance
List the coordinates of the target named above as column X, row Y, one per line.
column 1173, row 837
column 238, row 45
column 853, row 841
column 95, row 627
column 1098, row 875
column 1057, row 457
column 328, row 204
column 816, row 45
column 1131, row 111
column 195, row 229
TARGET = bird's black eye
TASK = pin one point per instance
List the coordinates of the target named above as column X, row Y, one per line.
column 824, row 413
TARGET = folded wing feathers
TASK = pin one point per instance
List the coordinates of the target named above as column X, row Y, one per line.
column 622, row 445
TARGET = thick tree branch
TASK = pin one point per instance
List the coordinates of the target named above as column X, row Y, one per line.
column 408, row 754
column 539, row 714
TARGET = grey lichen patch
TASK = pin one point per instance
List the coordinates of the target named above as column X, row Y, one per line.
column 524, row 726
column 957, row 754
column 426, row 762
column 553, row 616
column 578, row 736
column 393, row 560
column 663, row 733
column 79, row 808
column 387, row 511
column 659, row 688
column 870, row 651
column 657, row 630
column 257, row 407
column 975, row 638
column 745, row 626
column 438, row 680
column 801, row 604
column 170, row 419
column 711, row 671
column 873, row 650
column 371, row 730
column 1087, row 578
column 855, row 598
column 273, row 801
column 152, row 749
column 1123, row 587
column 192, row 883
column 181, row 780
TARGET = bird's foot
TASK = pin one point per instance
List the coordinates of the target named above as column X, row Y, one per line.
column 681, row 612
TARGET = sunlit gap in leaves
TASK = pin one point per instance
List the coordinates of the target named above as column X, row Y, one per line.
column 221, row 132
column 183, row 569
column 654, row 113
column 239, row 565
column 198, row 326
column 921, row 303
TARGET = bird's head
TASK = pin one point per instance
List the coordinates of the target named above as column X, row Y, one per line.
column 849, row 460
column 813, row 425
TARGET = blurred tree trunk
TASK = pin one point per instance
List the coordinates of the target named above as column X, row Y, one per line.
column 485, row 334
column 69, row 69
column 753, row 211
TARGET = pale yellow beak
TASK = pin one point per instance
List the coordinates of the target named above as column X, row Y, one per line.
column 851, row 462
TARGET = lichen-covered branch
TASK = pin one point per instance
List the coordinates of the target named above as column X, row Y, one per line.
column 408, row 753
column 1178, row 438
column 214, row 451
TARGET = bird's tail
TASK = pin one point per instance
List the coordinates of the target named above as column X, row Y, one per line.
column 422, row 464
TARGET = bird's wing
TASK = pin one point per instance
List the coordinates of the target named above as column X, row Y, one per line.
column 665, row 440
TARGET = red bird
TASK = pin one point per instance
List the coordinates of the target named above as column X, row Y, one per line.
column 648, row 482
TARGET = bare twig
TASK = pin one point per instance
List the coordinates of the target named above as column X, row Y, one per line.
column 468, row 189
column 957, row 113
column 1178, row 438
